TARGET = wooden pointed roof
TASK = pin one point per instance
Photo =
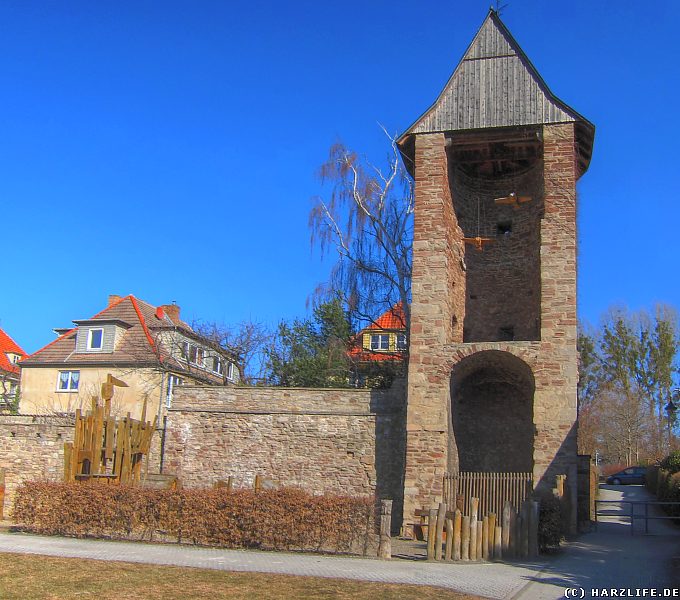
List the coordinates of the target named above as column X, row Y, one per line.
column 495, row 85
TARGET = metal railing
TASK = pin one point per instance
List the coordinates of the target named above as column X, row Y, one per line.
column 632, row 515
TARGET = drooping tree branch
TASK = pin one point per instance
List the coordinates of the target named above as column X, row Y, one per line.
column 368, row 221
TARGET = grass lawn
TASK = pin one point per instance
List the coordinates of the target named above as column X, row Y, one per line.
column 24, row 576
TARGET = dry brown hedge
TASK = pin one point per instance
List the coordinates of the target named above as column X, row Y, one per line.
column 283, row 519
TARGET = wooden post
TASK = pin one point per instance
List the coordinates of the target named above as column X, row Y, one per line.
column 507, row 510
column 474, row 509
column 258, row 482
column 385, row 548
column 465, row 538
column 449, row 539
column 479, row 540
column 497, row 544
column 457, row 519
column 485, row 538
column 514, row 533
column 524, row 530
column 68, row 460
column 533, row 528
column 492, row 534
column 441, row 518
column 230, row 483
column 431, row 533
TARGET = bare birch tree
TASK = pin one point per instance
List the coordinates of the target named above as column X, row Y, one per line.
column 246, row 342
column 368, row 221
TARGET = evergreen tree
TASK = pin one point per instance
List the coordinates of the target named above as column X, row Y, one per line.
column 312, row 352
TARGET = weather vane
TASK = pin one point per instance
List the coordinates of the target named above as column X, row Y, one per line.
column 499, row 7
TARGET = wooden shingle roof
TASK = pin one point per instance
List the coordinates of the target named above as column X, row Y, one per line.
column 496, row 85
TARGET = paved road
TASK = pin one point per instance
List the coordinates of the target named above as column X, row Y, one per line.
column 610, row 557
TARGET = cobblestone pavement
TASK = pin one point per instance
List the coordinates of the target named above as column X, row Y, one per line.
column 610, row 557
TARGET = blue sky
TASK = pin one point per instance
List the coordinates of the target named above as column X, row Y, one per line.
column 170, row 149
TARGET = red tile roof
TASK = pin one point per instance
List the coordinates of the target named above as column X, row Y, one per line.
column 137, row 346
column 8, row 345
column 393, row 319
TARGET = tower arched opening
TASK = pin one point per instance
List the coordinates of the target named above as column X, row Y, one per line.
column 492, row 397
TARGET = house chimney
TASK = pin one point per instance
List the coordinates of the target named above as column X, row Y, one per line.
column 113, row 298
column 172, row 310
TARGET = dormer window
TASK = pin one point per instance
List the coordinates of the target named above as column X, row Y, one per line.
column 193, row 354
column 218, row 365
column 380, row 341
column 95, row 340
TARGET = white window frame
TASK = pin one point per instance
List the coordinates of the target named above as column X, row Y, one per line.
column 173, row 382
column 218, row 365
column 402, row 343
column 90, row 347
column 69, row 382
column 230, row 371
column 380, row 338
column 195, row 355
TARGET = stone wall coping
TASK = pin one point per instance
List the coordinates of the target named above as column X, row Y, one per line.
column 276, row 389
column 222, row 410
column 53, row 420
column 312, row 401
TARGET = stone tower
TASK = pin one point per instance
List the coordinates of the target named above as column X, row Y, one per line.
column 493, row 361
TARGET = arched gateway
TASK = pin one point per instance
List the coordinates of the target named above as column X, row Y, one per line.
column 492, row 399
column 493, row 362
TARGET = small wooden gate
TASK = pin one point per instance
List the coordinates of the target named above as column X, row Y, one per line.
column 492, row 489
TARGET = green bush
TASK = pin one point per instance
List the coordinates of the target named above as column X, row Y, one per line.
column 550, row 523
column 284, row 519
column 672, row 462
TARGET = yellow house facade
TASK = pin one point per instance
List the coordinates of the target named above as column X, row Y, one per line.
column 148, row 348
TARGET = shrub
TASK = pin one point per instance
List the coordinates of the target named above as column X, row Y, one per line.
column 550, row 520
column 672, row 462
column 283, row 519
column 652, row 479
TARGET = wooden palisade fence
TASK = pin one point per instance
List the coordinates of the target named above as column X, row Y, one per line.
column 472, row 537
column 492, row 489
column 107, row 448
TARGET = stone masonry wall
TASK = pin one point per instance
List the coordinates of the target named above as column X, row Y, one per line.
column 326, row 441
column 437, row 314
column 32, row 447
column 557, row 369
column 503, row 280
column 439, row 308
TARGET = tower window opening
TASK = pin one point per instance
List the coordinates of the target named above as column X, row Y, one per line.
column 507, row 334
column 504, row 228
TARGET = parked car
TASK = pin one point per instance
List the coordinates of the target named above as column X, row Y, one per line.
column 629, row 475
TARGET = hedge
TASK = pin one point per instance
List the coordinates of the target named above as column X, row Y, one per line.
column 283, row 519
column 668, row 490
